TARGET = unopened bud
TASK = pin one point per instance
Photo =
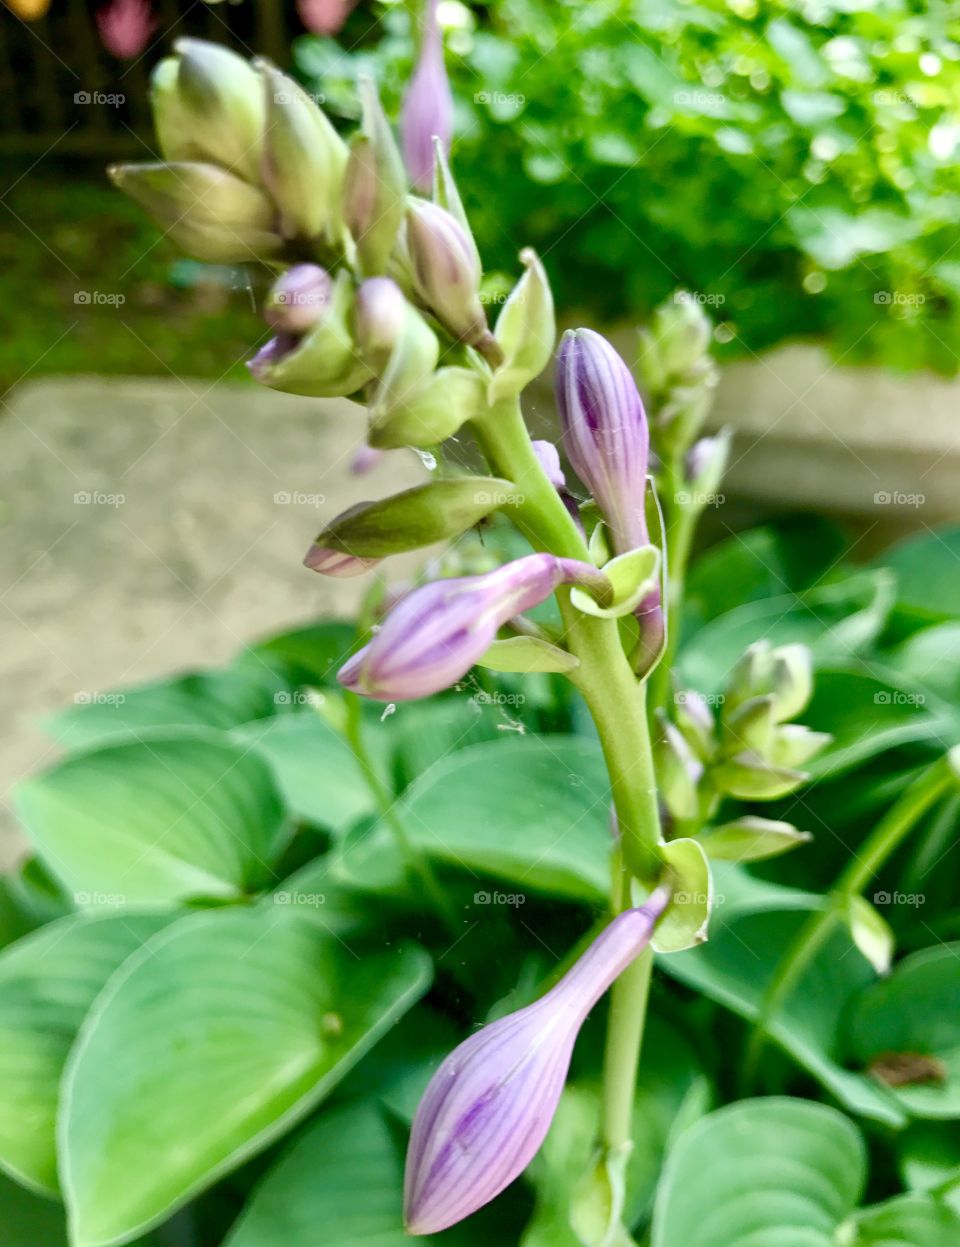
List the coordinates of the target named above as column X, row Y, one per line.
column 374, row 186
column 221, row 101
column 792, row 679
column 427, row 105
column 207, row 211
column 678, row 772
column 525, row 330
column 381, row 314
column 303, row 161
column 299, row 299
column 752, row 778
column 446, row 273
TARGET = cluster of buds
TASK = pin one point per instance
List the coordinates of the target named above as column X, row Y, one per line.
column 381, row 299
column 751, row 751
column 678, row 376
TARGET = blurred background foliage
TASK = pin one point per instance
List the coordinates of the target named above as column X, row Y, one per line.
column 798, row 163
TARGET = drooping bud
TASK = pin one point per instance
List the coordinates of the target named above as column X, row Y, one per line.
column 207, row 211
column 374, row 186
column 525, row 330
column 422, row 516
column 336, row 563
column 605, row 432
column 487, row 1109
column 677, row 371
column 322, row 363
column 298, row 299
column 436, row 634
column 446, row 274
column 303, row 160
column 221, row 99
column 427, row 105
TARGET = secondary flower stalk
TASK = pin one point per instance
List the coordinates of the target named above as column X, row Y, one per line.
column 487, row 1109
column 434, row 636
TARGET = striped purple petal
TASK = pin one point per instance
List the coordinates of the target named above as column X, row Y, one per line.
column 487, row 1109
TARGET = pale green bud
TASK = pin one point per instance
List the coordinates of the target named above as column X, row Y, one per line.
column 695, row 720
column 432, row 413
column 751, row 839
column 221, row 100
column 750, row 726
column 678, row 772
column 794, row 745
column 208, row 212
column 750, row 676
column 752, row 778
column 792, row 680
column 303, row 161
column 446, row 274
column 169, row 118
column 526, row 330
column 374, row 186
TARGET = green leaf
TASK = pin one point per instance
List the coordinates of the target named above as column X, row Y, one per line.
column 684, row 925
column 311, row 655
column 867, row 716
column 774, row 1172
column 437, row 511
column 156, row 821
column 210, row 1043
column 914, row 1013
column 532, row 811
column 47, row 983
column 907, row 1221
column 340, row 1184
column 751, row 839
column 215, row 699
column 836, row 621
column 314, row 768
column 925, row 566
column 930, row 659
column 929, row 1155
column 737, row 964
column 527, row 653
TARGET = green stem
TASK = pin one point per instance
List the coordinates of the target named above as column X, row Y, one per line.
column 617, row 703
column 680, row 522
column 887, row 836
column 387, row 806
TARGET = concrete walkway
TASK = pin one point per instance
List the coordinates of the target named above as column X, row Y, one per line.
column 153, row 526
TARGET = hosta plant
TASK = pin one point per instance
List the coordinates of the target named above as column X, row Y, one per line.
column 333, row 945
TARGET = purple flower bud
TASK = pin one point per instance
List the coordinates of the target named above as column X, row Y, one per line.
column 365, row 459
column 605, row 432
column 489, row 1105
column 381, row 314
column 436, row 634
column 298, row 299
column 428, row 105
column 336, row 562
column 549, row 458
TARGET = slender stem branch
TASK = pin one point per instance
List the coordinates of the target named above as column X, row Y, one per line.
column 681, row 523
column 387, row 806
column 887, row 836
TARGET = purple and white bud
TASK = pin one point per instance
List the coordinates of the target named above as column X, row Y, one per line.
column 428, row 105
column 299, row 299
column 365, row 459
column 446, row 270
column 549, row 459
column 437, row 633
column 381, row 314
column 489, row 1106
column 605, row 432
column 337, row 562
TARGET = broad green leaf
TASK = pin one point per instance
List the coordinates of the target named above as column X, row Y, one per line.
column 836, row 621
column 311, row 655
column 769, row 1173
column 315, row 769
column 420, row 733
column 868, row 715
column 929, row 1155
column 907, row 1221
column 47, row 983
column 340, row 1184
column 150, row 822
column 737, row 964
column 532, row 811
column 925, row 566
column 930, row 659
column 214, row 699
column 211, row 1042
column 15, row 922
column 761, row 563
column 915, row 1014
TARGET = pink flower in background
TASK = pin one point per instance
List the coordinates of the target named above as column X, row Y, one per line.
column 428, row 104
column 125, row 27
column 324, row 17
